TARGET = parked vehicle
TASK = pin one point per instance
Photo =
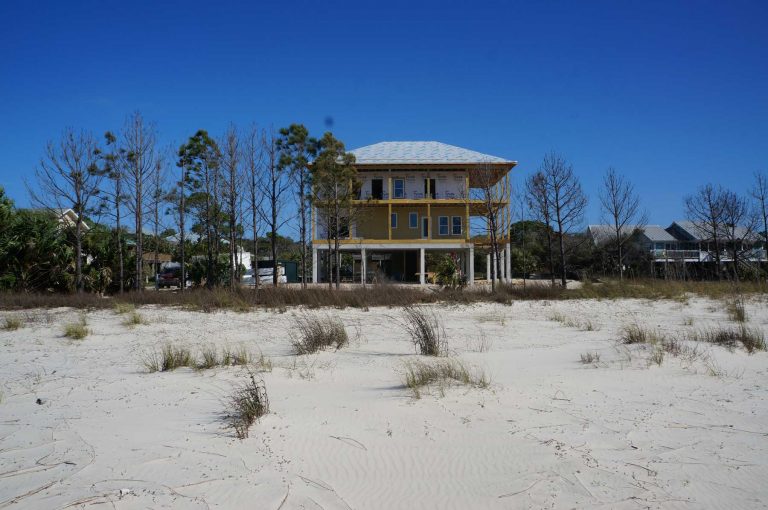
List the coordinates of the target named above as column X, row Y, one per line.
column 265, row 276
column 169, row 278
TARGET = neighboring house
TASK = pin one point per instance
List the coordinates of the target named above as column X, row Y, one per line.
column 415, row 197
column 698, row 244
column 68, row 218
column 244, row 257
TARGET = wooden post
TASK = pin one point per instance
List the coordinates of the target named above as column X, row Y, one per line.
column 389, row 205
column 466, row 219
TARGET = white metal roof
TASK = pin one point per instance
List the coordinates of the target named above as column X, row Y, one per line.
column 654, row 233
column 424, row 153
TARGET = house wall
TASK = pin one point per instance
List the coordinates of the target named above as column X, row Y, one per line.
column 450, row 184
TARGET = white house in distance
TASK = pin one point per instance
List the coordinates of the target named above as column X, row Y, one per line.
column 414, row 197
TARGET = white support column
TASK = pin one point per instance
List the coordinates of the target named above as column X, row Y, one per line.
column 364, row 268
column 422, row 266
column 488, row 268
column 494, row 268
column 314, row 265
column 471, row 266
column 508, row 251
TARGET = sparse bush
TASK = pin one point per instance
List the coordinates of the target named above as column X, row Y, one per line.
column 590, row 357
column 657, row 356
column 11, row 323
column 77, row 330
column 170, row 357
column 240, row 356
column 249, row 403
column 636, row 334
column 419, row 374
column 480, row 343
column 134, row 319
column 209, row 358
column 122, row 308
column 425, row 330
column 736, row 310
column 752, row 339
column 314, row 332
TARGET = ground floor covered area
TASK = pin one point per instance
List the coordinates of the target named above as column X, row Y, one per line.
column 407, row 262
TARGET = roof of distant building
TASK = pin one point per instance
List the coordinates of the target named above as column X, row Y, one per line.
column 423, row 153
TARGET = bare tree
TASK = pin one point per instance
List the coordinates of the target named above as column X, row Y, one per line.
column 493, row 189
column 253, row 166
column 705, row 211
column 621, row 210
column 560, row 191
column 113, row 198
column 539, row 202
column 738, row 225
column 759, row 193
column 231, row 162
column 68, row 177
column 274, row 186
column 138, row 140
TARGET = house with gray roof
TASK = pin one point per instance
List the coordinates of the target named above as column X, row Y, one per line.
column 416, row 197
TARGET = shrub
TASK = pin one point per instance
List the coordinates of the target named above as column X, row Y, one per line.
column 134, row 319
column 314, row 332
column 170, row 357
column 425, row 330
column 751, row 338
column 736, row 310
column 77, row 330
column 121, row 307
column 247, row 404
column 657, row 356
column 636, row 334
column 419, row 374
column 590, row 357
column 11, row 323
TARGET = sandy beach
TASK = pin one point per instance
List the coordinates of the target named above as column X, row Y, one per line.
column 83, row 424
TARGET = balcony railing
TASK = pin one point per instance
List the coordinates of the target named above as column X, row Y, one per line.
column 446, row 195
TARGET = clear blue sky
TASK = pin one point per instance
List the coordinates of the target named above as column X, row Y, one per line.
column 671, row 94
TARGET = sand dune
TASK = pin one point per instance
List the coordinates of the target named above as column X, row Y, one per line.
column 343, row 432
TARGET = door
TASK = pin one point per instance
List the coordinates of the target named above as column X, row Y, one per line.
column 432, row 185
column 377, row 189
column 425, row 227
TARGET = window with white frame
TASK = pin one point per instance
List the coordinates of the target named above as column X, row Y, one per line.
column 413, row 220
column 456, row 226
column 443, row 225
column 393, row 220
column 399, row 188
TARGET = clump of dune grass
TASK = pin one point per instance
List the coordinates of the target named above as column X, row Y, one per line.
column 209, row 358
column 314, row 332
column 752, row 339
column 134, row 319
column 657, row 356
column 586, row 325
column 170, row 357
column 248, row 403
column 480, row 343
column 77, row 330
column 420, row 374
column 590, row 357
column 11, row 323
column 636, row 334
column 122, row 307
column 736, row 310
column 426, row 331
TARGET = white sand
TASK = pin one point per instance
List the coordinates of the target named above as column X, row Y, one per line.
column 343, row 432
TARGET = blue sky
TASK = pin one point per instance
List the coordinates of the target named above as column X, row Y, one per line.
column 671, row 94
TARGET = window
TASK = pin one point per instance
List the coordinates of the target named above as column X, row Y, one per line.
column 443, row 225
column 424, row 227
column 399, row 188
column 393, row 220
column 413, row 220
column 456, row 226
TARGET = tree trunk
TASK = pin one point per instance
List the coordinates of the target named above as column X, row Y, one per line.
column 79, row 254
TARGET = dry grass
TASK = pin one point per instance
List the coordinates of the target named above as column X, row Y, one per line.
column 636, row 334
column 736, row 311
column 590, row 357
column 585, row 325
column 11, row 323
column 121, row 308
column 314, row 332
column 420, row 374
column 169, row 358
column 480, row 343
column 77, row 330
column 248, row 403
column 426, row 331
column 134, row 319
column 380, row 295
